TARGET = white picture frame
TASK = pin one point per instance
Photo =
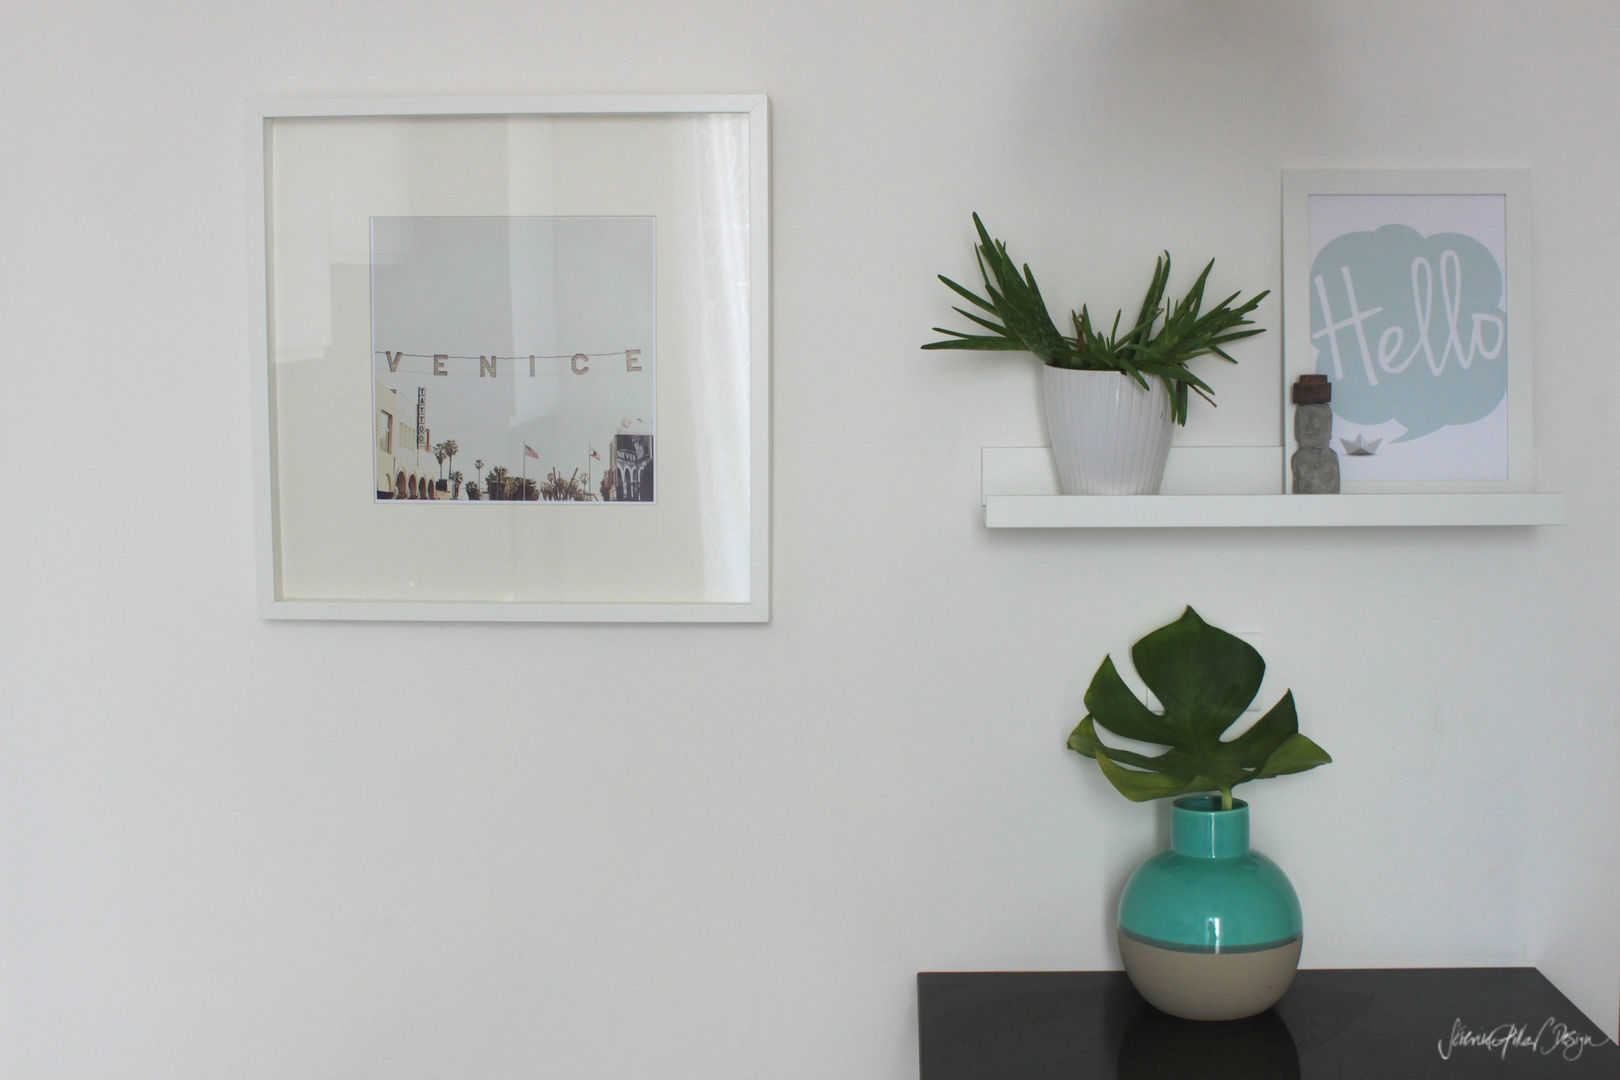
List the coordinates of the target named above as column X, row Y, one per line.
column 1410, row 353
column 320, row 171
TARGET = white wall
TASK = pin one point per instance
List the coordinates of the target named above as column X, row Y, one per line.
column 236, row 849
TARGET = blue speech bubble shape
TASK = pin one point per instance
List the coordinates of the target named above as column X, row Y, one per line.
column 1410, row 328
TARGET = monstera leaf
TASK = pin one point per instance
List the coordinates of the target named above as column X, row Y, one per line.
column 1205, row 678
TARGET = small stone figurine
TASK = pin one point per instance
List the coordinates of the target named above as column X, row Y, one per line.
column 1316, row 466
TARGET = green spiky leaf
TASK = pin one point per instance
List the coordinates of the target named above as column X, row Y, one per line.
column 1159, row 344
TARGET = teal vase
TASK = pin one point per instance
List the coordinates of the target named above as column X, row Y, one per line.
column 1210, row 930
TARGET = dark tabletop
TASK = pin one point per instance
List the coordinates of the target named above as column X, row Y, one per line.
column 1453, row 1023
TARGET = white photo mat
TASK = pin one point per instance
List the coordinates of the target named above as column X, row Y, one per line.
column 331, row 546
column 1422, row 322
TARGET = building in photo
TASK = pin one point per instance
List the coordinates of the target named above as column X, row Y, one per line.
column 633, row 465
column 406, row 467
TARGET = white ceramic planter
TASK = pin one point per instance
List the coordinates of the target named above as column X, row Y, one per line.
column 1109, row 436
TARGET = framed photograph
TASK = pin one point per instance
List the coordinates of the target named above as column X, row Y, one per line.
column 1410, row 291
column 511, row 358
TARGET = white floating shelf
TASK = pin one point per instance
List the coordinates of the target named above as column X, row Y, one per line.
column 1267, row 511
column 1020, row 485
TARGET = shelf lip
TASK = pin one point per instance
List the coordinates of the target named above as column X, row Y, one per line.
column 1272, row 511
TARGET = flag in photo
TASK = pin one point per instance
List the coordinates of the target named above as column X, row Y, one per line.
column 594, row 454
column 528, row 451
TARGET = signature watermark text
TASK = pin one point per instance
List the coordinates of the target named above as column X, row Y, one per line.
column 1550, row 1037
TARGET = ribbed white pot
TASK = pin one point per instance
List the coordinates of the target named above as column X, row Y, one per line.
column 1109, row 436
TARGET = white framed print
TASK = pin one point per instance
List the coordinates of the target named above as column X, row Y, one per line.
column 511, row 358
column 1410, row 291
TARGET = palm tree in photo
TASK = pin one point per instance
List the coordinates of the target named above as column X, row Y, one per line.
column 455, row 485
column 572, row 489
column 440, row 455
column 478, row 467
column 451, row 450
column 496, row 484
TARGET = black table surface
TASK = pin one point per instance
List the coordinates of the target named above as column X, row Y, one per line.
column 1455, row 1023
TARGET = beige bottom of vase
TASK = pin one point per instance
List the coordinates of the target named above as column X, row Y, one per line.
column 1210, row 986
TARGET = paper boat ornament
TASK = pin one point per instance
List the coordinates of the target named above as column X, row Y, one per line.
column 1359, row 447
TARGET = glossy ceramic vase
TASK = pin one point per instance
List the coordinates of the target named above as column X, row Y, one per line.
column 1210, row 930
column 1109, row 435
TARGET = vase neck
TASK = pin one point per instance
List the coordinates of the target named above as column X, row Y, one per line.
column 1201, row 829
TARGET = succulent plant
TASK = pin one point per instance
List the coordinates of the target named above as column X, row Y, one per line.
column 1158, row 344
